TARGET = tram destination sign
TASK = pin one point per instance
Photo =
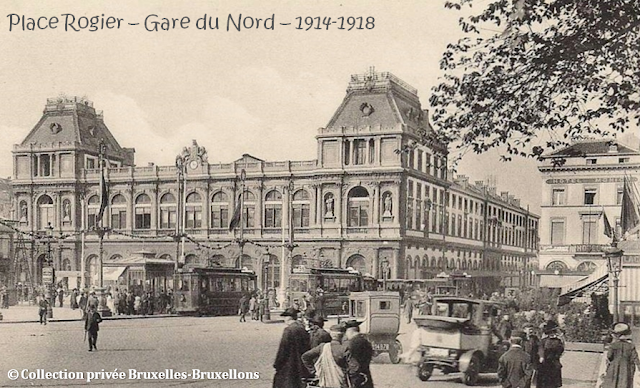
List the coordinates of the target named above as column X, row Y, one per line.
column 48, row 274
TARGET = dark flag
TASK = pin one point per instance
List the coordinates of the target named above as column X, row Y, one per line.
column 629, row 218
column 237, row 212
column 608, row 230
column 104, row 197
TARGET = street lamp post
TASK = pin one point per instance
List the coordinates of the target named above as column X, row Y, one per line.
column 613, row 255
column 179, row 234
column 50, row 269
column 101, row 231
column 241, row 242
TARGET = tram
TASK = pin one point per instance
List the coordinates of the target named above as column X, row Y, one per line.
column 211, row 291
column 336, row 283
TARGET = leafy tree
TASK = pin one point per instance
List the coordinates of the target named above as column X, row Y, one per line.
column 532, row 75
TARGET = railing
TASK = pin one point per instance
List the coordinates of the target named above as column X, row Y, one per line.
column 272, row 230
column 352, row 230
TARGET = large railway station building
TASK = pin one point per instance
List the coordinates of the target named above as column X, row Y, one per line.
column 376, row 197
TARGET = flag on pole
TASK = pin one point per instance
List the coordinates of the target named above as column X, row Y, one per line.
column 629, row 218
column 235, row 220
column 608, row 230
column 104, row 196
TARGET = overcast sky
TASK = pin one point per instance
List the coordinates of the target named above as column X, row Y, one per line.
column 257, row 91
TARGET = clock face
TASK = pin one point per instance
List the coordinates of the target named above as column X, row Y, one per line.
column 194, row 164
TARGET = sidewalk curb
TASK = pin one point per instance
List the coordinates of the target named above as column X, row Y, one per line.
column 602, row 370
column 113, row 318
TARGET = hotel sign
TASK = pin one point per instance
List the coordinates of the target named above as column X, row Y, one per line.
column 559, row 181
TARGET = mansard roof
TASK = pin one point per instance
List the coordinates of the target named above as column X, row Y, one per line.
column 72, row 121
column 600, row 147
column 380, row 100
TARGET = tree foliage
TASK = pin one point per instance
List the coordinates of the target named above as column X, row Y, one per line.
column 532, row 75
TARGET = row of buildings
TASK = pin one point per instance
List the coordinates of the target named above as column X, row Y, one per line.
column 376, row 197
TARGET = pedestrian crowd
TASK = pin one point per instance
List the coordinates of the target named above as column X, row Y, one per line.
column 308, row 354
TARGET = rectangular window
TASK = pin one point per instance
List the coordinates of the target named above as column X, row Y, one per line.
column 248, row 216
column 347, row 152
column 410, row 213
column 91, row 218
column 219, row 217
column 119, row 219
column 420, row 167
column 194, row 217
column 623, row 160
column 591, row 161
column 590, row 196
column 359, row 151
column 143, row 218
column 167, row 218
column 427, row 159
column 619, row 192
column 91, row 164
column 273, row 216
column 411, row 159
column 557, row 232
column 557, row 197
column 301, row 216
column 589, row 232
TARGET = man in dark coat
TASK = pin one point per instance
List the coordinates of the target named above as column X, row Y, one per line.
column 310, row 358
column 317, row 333
column 531, row 345
column 294, row 343
column 91, row 325
column 358, row 352
column 243, row 308
column 550, row 350
column 514, row 367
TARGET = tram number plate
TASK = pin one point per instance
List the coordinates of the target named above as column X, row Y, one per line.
column 381, row 347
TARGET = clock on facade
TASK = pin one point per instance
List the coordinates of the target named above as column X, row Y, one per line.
column 194, row 164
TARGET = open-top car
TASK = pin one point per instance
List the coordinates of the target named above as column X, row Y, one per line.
column 458, row 337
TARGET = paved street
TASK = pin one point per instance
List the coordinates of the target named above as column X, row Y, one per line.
column 183, row 344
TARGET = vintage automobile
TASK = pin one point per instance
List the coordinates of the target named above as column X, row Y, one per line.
column 379, row 312
column 458, row 337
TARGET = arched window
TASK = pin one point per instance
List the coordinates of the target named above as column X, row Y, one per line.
column 66, row 265
column 93, row 207
column 246, row 262
column 271, row 272
column 372, row 151
column 193, row 211
column 249, row 211
column 358, row 263
column 358, row 206
column 119, row 212
column 45, row 212
column 301, row 209
column 191, row 260
column 557, row 266
column 409, row 264
column 220, row 210
column 168, row 214
column 40, row 261
column 143, row 212
column 273, row 209
column 586, row 266
column 433, row 263
column 298, row 260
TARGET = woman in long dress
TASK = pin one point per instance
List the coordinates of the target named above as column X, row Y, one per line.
column 550, row 350
column 622, row 359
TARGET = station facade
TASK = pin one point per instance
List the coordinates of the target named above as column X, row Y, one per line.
column 377, row 197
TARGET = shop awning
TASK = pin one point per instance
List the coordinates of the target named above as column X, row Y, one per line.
column 112, row 273
column 596, row 281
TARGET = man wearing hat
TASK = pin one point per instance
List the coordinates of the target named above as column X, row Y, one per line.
column 327, row 362
column 514, row 367
column 317, row 332
column 623, row 358
column 294, row 343
column 531, row 345
column 358, row 353
column 549, row 353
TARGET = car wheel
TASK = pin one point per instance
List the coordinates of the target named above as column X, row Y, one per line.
column 470, row 376
column 395, row 352
column 425, row 371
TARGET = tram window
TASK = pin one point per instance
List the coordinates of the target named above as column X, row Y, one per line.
column 205, row 284
column 294, row 285
column 385, row 305
column 303, row 286
column 183, row 285
column 360, row 309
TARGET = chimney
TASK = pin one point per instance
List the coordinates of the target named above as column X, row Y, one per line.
column 505, row 196
column 491, row 190
column 516, row 202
